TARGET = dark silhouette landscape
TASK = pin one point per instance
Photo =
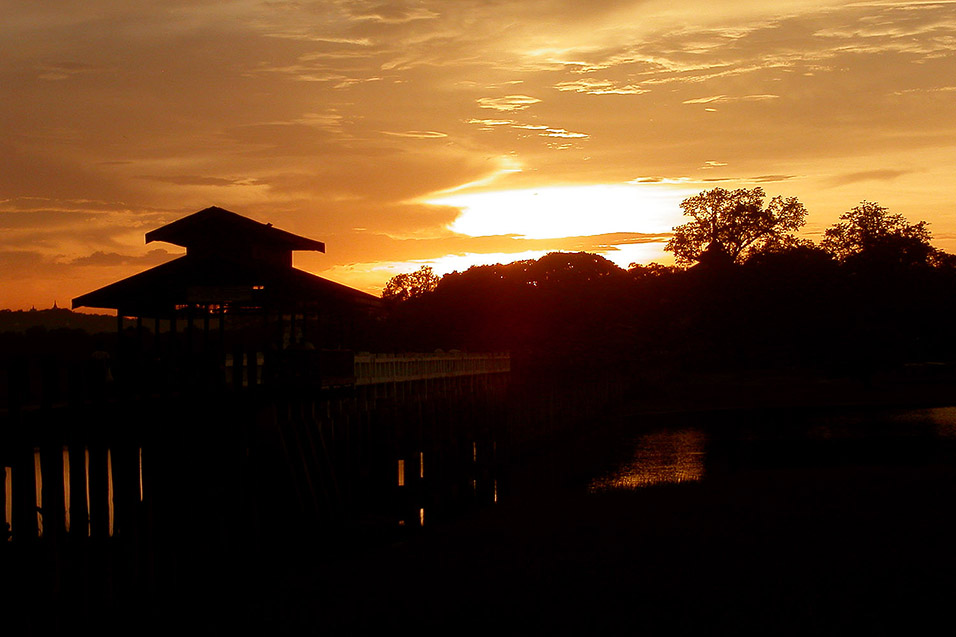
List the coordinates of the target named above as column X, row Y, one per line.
column 758, row 439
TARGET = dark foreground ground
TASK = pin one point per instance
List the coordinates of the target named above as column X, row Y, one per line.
column 794, row 552
column 830, row 537
column 847, row 528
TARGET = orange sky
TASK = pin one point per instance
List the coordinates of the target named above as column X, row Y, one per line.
column 451, row 133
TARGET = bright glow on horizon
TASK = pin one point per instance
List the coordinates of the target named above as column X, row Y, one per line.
column 372, row 277
column 567, row 211
column 643, row 253
column 461, row 262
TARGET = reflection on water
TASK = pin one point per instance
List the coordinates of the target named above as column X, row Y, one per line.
column 66, row 488
column 109, row 488
column 86, row 481
column 38, row 473
column 8, row 501
column 659, row 458
column 686, row 447
column 944, row 418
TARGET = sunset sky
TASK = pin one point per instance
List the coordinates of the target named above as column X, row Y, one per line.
column 451, row 133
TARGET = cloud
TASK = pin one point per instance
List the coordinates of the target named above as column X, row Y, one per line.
column 714, row 99
column 760, row 179
column 190, row 180
column 933, row 89
column 660, row 180
column 600, row 87
column 100, row 258
column 417, row 134
column 560, row 132
column 763, row 179
column 57, row 71
column 867, row 175
column 491, row 122
column 509, row 103
column 542, row 129
column 394, row 12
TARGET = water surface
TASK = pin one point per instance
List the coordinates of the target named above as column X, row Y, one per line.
column 688, row 448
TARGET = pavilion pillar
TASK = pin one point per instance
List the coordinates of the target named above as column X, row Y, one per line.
column 190, row 331
column 222, row 328
column 205, row 328
column 173, row 349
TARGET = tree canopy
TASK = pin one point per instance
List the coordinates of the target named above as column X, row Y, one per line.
column 868, row 231
column 730, row 225
column 403, row 287
column 788, row 303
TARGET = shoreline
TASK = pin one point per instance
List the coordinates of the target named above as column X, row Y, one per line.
column 794, row 389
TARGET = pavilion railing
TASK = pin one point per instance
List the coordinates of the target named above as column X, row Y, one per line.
column 32, row 383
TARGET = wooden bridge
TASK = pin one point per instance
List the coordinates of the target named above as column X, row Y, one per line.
column 151, row 472
column 119, row 494
column 227, row 428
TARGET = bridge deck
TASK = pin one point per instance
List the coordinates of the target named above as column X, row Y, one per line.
column 30, row 384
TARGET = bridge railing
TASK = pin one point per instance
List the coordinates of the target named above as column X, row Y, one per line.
column 341, row 367
column 371, row 369
column 46, row 382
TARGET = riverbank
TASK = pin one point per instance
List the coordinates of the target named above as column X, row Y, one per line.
column 796, row 552
column 925, row 384
column 830, row 543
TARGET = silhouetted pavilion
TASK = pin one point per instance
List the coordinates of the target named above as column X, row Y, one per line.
column 233, row 267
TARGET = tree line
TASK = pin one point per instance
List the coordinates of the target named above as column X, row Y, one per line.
column 746, row 292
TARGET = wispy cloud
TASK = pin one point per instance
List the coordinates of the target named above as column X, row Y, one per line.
column 100, row 258
column 509, row 103
column 417, row 134
column 867, row 175
column 716, row 99
column 195, row 180
column 560, row 132
column 600, row 87
column 542, row 130
column 492, row 122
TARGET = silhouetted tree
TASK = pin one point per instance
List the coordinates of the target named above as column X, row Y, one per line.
column 415, row 284
column 729, row 225
column 572, row 268
column 639, row 272
column 868, row 232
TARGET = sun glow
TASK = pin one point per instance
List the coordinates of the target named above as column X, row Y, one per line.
column 546, row 213
column 461, row 262
column 372, row 277
column 566, row 211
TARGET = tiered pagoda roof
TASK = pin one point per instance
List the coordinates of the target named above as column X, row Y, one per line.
column 231, row 261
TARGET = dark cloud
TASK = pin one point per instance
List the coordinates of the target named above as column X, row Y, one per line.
column 355, row 247
column 99, row 258
column 868, row 175
column 763, row 179
column 22, row 262
column 189, row 180
column 45, row 219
